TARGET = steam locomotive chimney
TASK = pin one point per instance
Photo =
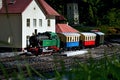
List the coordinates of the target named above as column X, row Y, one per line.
column 1, row 4
column 35, row 31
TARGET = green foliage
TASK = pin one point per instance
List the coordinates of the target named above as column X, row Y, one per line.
column 113, row 17
column 92, row 12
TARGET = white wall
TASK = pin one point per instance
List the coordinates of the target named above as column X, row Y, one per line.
column 10, row 30
column 33, row 11
column 0, row 4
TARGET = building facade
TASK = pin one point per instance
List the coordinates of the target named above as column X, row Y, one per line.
column 23, row 18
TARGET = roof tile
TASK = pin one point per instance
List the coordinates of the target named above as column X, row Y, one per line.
column 17, row 7
column 48, row 9
column 63, row 28
column 20, row 5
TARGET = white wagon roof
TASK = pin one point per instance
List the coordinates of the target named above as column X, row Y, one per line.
column 99, row 33
column 71, row 34
column 88, row 34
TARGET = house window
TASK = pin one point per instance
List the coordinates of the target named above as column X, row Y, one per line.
column 40, row 22
column 49, row 22
column 28, row 22
column 34, row 22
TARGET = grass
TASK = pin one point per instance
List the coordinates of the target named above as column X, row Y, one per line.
column 107, row 68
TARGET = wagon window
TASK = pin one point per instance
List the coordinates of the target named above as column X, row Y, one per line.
column 70, row 39
column 93, row 38
column 90, row 38
column 75, row 38
column 86, row 38
column 78, row 38
column 67, row 39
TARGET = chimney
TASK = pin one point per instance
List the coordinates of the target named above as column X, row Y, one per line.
column 1, row 4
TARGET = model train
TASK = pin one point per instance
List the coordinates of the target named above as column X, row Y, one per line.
column 50, row 42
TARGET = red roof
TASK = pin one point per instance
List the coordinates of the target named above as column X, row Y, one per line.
column 48, row 9
column 60, row 28
column 20, row 5
column 61, row 17
column 17, row 7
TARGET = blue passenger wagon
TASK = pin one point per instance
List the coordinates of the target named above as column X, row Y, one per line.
column 69, row 40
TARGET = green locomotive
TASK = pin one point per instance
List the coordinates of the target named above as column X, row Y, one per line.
column 44, row 43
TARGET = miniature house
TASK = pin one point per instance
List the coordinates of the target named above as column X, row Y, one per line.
column 19, row 19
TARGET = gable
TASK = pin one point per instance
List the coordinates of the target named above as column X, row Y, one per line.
column 48, row 9
column 18, row 6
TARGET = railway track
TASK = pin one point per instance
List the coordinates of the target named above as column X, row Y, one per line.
column 48, row 63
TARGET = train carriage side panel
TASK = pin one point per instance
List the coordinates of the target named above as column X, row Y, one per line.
column 72, row 44
column 72, row 40
column 88, row 39
column 69, row 40
column 99, row 38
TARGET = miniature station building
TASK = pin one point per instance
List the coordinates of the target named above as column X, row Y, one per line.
column 19, row 19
